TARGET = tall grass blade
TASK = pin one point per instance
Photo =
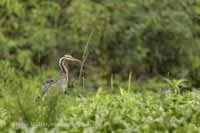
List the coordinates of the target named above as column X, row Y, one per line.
column 85, row 54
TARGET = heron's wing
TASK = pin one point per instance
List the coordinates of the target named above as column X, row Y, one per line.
column 47, row 85
column 50, row 81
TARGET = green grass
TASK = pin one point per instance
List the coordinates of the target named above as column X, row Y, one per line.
column 89, row 111
column 142, row 112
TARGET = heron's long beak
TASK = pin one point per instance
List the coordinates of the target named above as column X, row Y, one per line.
column 76, row 60
column 73, row 59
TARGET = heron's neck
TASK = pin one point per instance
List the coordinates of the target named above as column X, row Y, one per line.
column 63, row 68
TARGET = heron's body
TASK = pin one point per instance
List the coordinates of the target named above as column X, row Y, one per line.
column 63, row 82
column 52, row 83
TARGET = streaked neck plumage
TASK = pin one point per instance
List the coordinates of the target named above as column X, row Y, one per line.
column 64, row 69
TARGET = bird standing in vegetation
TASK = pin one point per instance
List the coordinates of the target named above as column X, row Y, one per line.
column 63, row 82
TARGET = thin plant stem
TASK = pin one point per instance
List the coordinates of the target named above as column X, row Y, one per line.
column 129, row 81
column 85, row 54
column 112, row 83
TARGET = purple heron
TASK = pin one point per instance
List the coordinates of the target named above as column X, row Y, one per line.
column 63, row 82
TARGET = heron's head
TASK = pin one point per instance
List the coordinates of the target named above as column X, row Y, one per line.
column 70, row 58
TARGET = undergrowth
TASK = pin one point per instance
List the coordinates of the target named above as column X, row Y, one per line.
column 125, row 107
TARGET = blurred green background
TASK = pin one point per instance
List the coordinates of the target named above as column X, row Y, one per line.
column 148, row 38
column 141, row 71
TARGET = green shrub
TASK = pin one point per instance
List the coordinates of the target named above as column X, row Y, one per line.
column 149, row 38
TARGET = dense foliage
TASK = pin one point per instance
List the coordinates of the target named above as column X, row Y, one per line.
column 148, row 38
column 141, row 71
column 89, row 111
